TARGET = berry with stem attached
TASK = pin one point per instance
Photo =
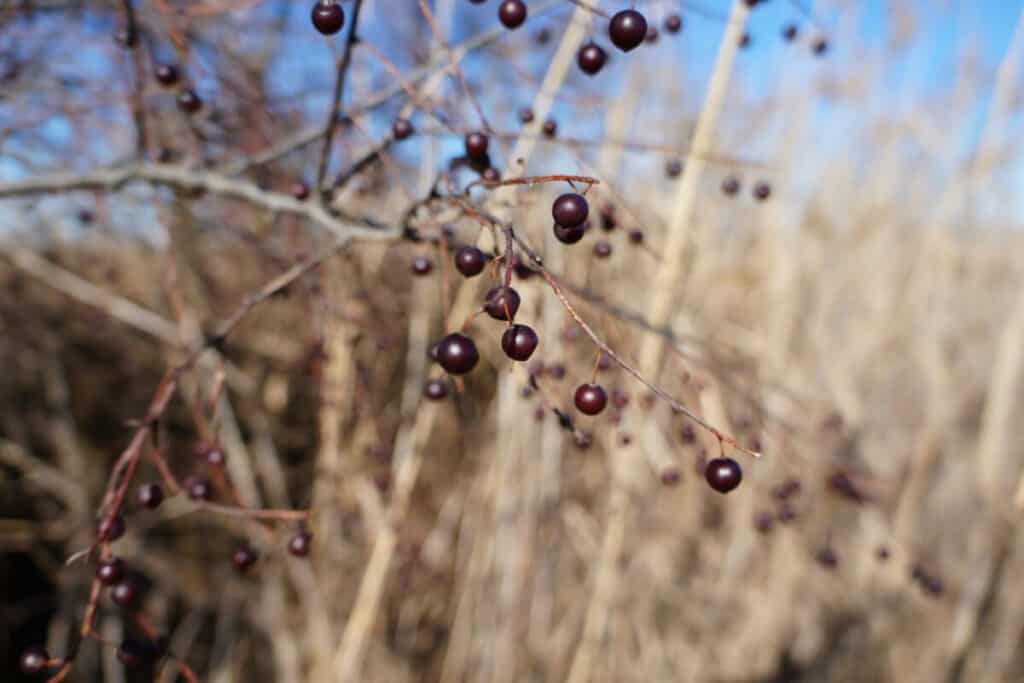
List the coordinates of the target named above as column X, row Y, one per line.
column 568, row 235
column 591, row 58
column 627, row 29
column 602, row 249
column 470, row 261
column 673, row 23
column 731, row 186
column 476, row 145
column 328, row 17
column 723, row 474
column 501, row 303
column 401, row 128
column 110, row 571
column 512, row 13
column 762, row 191
column 519, row 342
column 189, row 102
column 166, row 74
column 150, row 495
column 125, row 592
column 33, row 660
column 590, row 399
column 435, row 389
column 300, row 544
column 244, row 557
column 570, row 210
column 550, row 128
column 421, row 265
column 457, row 354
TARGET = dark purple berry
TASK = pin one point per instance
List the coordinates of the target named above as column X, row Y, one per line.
column 498, row 299
column 673, row 167
column 435, row 389
column 457, row 354
column 110, row 571
column 300, row 544
column 673, row 23
column 568, row 235
column 636, row 236
column 491, row 175
column 525, row 115
column 422, row 266
column 762, row 191
column 401, row 128
column 590, row 399
column 33, row 660
column 570, row 210
column 627, row 29
column 126, row 37
column 150, row 496
column 300, row 190
column 476, row 145
column 731, row 186
column 167, row 74
column 550, row 128
column 125, row 592
column 591, row 58
column 512, row 13
column 519, row 342
column 199, row 489
column 470, row 261
column 328, row 17
column 670, row 476
column 764, row 522
column 827, row 558
column 244, row 557
column 819, row 47
column 215, row 456
column 723, row 474
column 602, row 249
column 542, row 37
column 652, row 35
column 132, row 652
column 790, row 32
column 882, row 553
column 189, row 102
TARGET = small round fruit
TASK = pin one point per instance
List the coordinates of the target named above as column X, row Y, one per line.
column 827, row 558
column 570, row 210
column 499, row 299
column 819, row 47
column 435, row 389
column 111, row 528
column 512, row 13
column 215, row 456
column 422, row 266
column 591, row 58
column 189, row 102
column 126, row 37
column 550, row 128
column 627, row 29
column 300, row 190
column 525, row 116
column 731, row 186
column 790, row 32
column 568, row 235
column 150, row 496
column 673, row 167
column 401, row 128
column 199, row 489
column 602, row 249
column 762, row 191
column 470, row 261
column 590, row 399
column 476, row 145
column 723, row 474
column 244, row 557
column 744, row 41
column 673, row 23
column 491, row 175
column 328, row 17
column 457, row 354
column 33, row 660
column 636, row 236
column 652, row 35
column 166, row 74
column 300, row 544
column 519, row 342
column 110, row 571
column 125, row 592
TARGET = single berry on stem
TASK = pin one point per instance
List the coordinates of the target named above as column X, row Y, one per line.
column 568, row 235
column 33, row 660
column 401, row 128
column 673, row 23
column 300, row 544
column 636, row 236
column 627, row 29
column 591, row 58
column 525, row 115
column 111, row 528
column 550, row 128
column 328, row 17
column 723, row 474
column 469, row 260
column 731, row 186
column 501, row 303
column 476, row 145
column 167, row 74
column 790, row 32
column 570, row 210
column 491, row 175
column 673, row 167
column 126, row 591
column 819, row 47
column 602, row 249
column 519, row 342
column 244, row 557
column 590, row 399
column 199, row 489
column 435, row 389
column 110, row 571
column 189, row 102
column 150, row 495
column 457, row 354
column 422, row 266
column 762, row 191
column 300, row 190
column 512, row 13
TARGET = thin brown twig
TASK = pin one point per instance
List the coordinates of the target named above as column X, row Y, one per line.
column 339, row 91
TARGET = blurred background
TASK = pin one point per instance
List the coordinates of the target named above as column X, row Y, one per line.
column 821, row 258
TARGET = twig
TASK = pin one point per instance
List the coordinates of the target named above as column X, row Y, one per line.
column 339, row 90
